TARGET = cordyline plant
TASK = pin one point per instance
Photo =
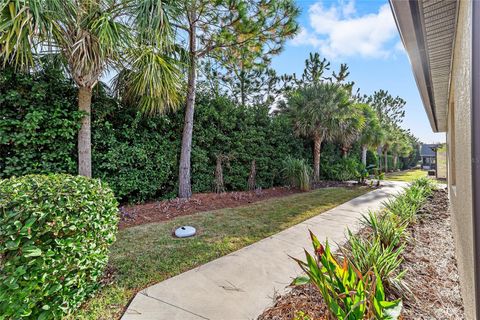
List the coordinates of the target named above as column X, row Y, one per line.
column 348, row 294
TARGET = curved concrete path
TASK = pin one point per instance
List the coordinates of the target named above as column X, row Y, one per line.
column 239, row 286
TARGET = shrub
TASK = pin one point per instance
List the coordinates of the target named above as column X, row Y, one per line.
column 371, row 254
column 407, row 205
column 348, row 293
column 297, row 173
column 386, row 228
column 38, row 123
column 343, row 169
column 55, row 232
column 427, row 183
column 137, row 155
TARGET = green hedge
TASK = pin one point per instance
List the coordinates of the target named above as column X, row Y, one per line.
column 138, row 155
column 55, row 231
column 39, row 122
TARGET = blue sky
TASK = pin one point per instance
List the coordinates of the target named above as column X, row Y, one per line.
column 361, row 33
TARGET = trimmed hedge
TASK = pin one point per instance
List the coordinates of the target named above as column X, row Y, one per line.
column 55, row 233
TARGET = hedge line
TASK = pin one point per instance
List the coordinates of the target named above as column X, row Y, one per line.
column 138, row 155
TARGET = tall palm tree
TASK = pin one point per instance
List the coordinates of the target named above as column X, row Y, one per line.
column 351, row 124
column 372, row 134
column 313, row 110
column 401, row 147
column 92, row 37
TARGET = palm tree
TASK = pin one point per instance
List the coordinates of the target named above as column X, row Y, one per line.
column 372, row 134
column 351, row 124
column 400, row 147
column 313, row 110
column 92, row 37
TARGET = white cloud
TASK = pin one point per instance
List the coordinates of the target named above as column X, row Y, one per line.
column 338, row 32
column 306, row 38
column 399, row 47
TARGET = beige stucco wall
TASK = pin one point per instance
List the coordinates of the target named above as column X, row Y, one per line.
column 459, row 149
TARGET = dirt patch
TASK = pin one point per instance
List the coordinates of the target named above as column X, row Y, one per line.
column 157, row 211
column 431, row 275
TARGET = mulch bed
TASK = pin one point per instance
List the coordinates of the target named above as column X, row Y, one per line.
column 432, row 272
column 133, row 215
column 431, row 275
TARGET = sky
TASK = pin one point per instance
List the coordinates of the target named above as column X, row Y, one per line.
column 363, row 34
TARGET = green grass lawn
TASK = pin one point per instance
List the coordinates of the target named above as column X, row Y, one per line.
column 148, row 254
column 408, row 175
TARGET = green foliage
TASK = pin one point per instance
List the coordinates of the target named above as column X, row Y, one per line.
column 386, row 228
column 407, row 205
column 300, row 315
column 342, row 169
column 38, row 123
column 382, row 249
column 135, row 154
column 55, row 233
column 348, row 293
column 297, row 173
column 372, row 254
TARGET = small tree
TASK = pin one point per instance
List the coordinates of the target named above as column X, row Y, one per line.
column 314, row 111
column 211, row 26
column 351, row 123
column 372, row 134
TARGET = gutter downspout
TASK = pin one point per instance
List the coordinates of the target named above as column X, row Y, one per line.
column 475, row 129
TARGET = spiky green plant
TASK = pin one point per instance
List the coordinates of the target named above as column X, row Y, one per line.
column 387, row 228
column 348, row 293
column 297, row 173
column 406, row 205
column 370, row 253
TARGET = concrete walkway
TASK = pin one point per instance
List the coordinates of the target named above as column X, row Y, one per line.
column 242, row 284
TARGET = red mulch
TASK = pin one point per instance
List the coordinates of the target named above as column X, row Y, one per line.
column 134, row 215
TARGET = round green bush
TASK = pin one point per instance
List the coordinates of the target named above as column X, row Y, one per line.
column 55, row 232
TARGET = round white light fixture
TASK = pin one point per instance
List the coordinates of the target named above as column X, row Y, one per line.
column 185, row 232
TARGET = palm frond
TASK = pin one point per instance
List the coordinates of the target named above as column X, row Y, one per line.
column 152, row 80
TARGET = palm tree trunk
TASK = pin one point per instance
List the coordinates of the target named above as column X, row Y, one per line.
column 364, row 155
column 184, row 183
column 85, row 133
column 317, row 144
column 344, row 152
column 386, row 162
column 379, row 154
column 395, row 160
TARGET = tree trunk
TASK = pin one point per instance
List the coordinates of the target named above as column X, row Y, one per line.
column 344, row 152
column 243, row 95
column 386, row 162
column 184, row 183
column 85, row 133
column 379, row 154
column 364, row 155
column 395, row 161
column 219, row 184
column 317, row 144
column 252, row 177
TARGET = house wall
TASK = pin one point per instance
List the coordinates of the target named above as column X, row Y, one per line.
column 459, row 155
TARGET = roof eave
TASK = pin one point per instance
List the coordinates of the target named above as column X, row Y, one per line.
column 410, row 24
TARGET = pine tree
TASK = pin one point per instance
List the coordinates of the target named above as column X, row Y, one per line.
column 211, row 28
